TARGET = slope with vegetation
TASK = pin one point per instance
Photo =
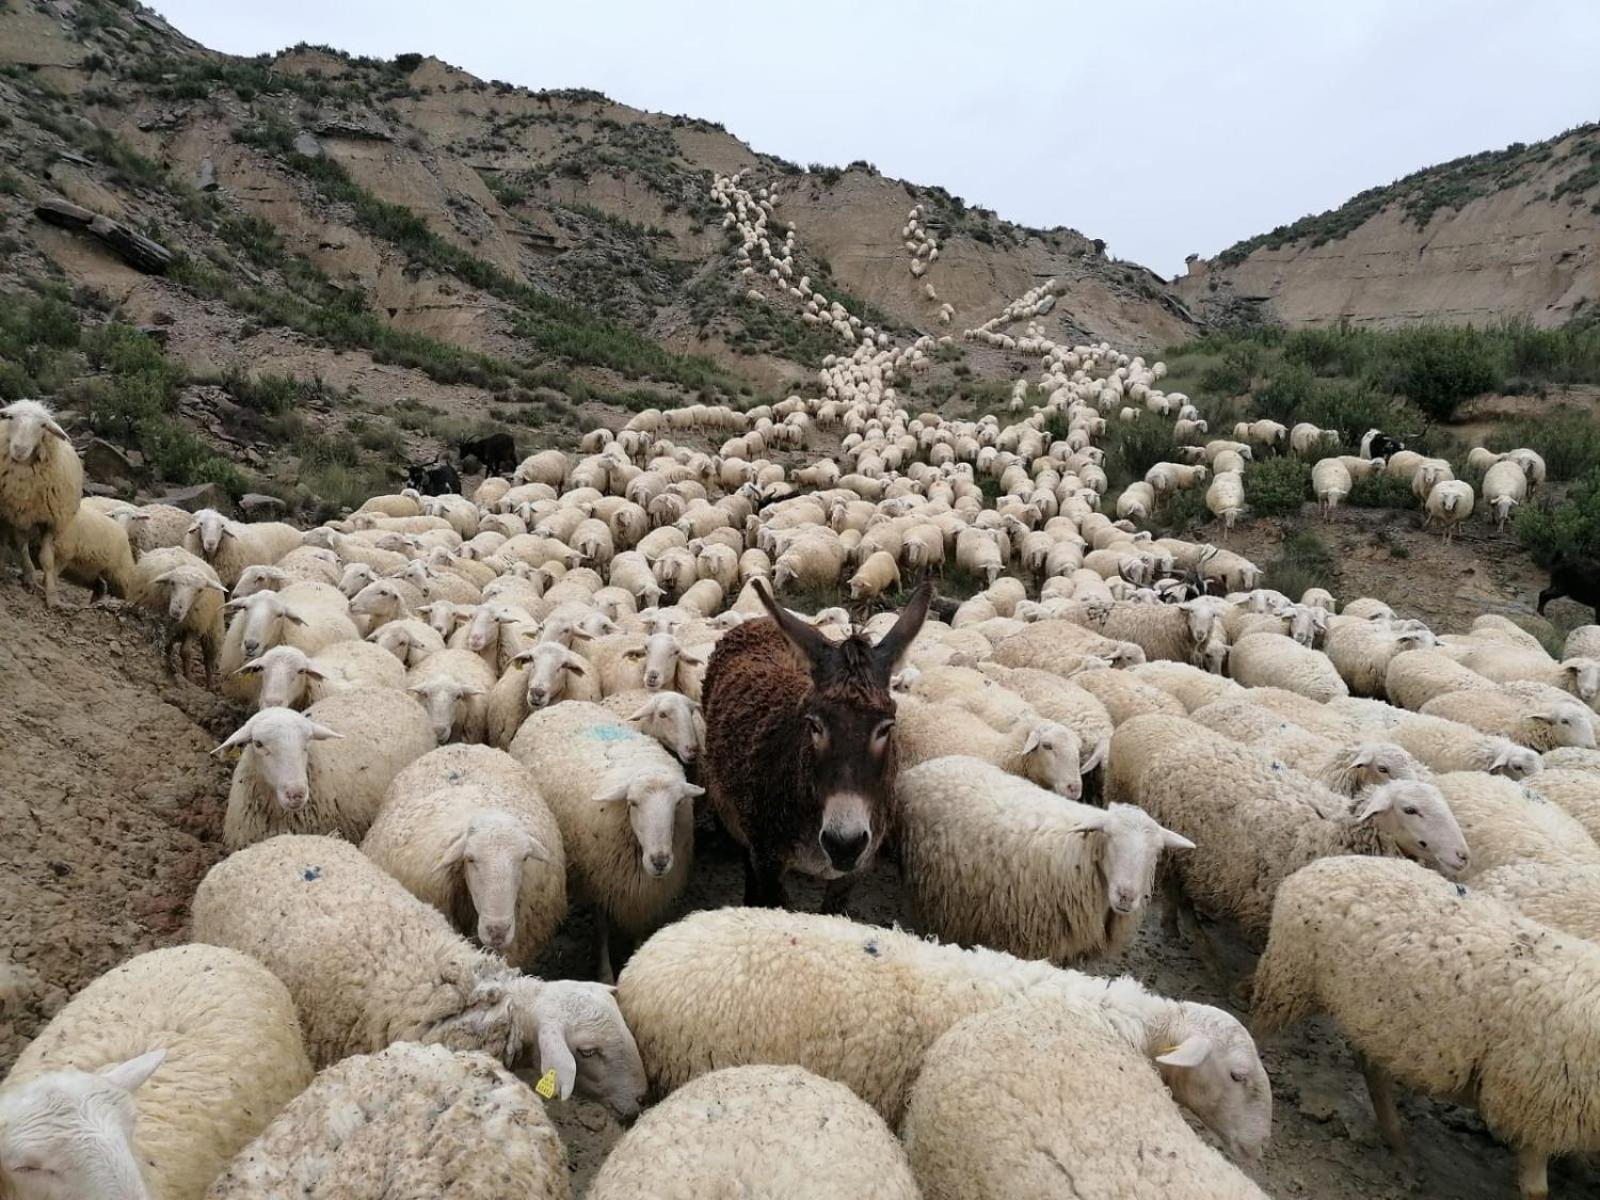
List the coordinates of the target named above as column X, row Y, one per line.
column 1504, row 234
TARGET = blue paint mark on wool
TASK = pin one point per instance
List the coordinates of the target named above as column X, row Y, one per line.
column 311, row 874
column 610, row 733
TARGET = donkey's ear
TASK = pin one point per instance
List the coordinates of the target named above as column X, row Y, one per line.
column 892, row 647
column 810, row 646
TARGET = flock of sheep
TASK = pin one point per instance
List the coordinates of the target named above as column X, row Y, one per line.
column 470, row 714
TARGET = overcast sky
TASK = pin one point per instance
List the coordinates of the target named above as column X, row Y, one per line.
column 1163, row 126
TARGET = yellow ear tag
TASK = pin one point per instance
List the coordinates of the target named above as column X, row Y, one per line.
column 546, row 1086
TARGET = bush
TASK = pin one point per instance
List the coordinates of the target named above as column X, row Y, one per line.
column 1381, row 491
column 1567, row 440
column 1133, row 447
column 1287, row 396
column 1302, row 562
column 1277, row 487
column 1570, row 530
column 1439, row 369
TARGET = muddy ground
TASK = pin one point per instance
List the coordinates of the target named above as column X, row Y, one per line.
column 112, row 812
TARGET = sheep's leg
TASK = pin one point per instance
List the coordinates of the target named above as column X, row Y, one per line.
column 173, row 662
column 47, row 565
column 763, row 884
column 602, row 949
column 836, row 895
column 1380, row 1087
column 19, row 543
column 1532, row 1175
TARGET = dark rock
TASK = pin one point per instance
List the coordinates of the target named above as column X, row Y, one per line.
column 201, row 495
column 206, row 177
column 159, row 334
column 107, row 464
column 162, row 317
column 138, row 251
column 256, row 506
column 91, row 488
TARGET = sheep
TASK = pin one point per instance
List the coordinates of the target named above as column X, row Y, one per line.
column 539, row 675
column 1331, row 481
column 1009, row 1096
column 1173, row 632
column 800, row 756
column 92, row 551
column 1415, row 677
column 410, row 1120
column 1504, row 488
column 1043, row 752
column 368, row 964
column 1124, row 696
column 1445, row 746
column 1540, row 724
column 734, row 986
column 1273, row 660
column 619, row 799
column 1343, row 768
column 1449, row 503
column 1138, row 501
column 1574, row 791
column 1361, row 651
column 1582, row 642
column 1077, row 878
column 464, row 829
column 1563, row 897
column 1061, row 647
column 1507, row 822
column 153, row 527
column 174, row 583
column 1304, row 438
column 1271, row 820
column 286, row 783
column 758, row 1131
column 152, row 1077
column 453, row 686
column 1189, row 686
column 879, row 573
column 408, row 640
column 41, row 484
column 307, row 616
column 672, row 718
column 1225, row 498
column 1443, row 991
column 1059, row 700
column 228, row 546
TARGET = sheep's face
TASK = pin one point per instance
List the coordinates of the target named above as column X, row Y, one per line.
column 655, row 808
column 355, row 577
column 447, row 703
column 278, row 742
column 1374, row 763
column 261, row 620
column 1516, row 762
column 579, row 1034
column 1564, row 725
column 69, row 1134
column 1415, row 815
column 1131, row 848
column 1215, row 1072
column 1582, row 677
column 209, row 528
column 380, row 600
column 676, row 722
column 258, row 579
column 1052, row 753
column 284, row 672
column 30, row 428
column 443, row 617
column 549, row 665
column 494, row 851
column 661, row 654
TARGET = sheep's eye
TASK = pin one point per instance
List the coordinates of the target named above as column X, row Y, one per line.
column 1383, row 770
column 1409, row 810
column 472, row 860
column 256, row 742
column 588, row 1051
column 1240, row 1076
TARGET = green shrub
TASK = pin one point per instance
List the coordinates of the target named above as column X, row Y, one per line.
column 1381, row 491
column 1277, row 487
column 1568, row 440
column 1439, row 369
column 1287, row 396
column 1302, row 562
column 1133, row 447
column 1568, row 530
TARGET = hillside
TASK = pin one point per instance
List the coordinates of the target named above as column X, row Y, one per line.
column 371, row 258
column 1505, row 234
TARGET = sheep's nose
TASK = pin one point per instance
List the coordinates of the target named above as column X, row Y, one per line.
column 660, row 864
column 293, row 797
column 652, row 681
column 496, row 934
column 844, row 850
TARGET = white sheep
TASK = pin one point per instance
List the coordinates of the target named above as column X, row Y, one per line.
column 1444, row 746
column 1540, row 723
column 1253, row 822
column 1007, row 1097
column 672, row 718
column 1449, row 504
column 1415, row 677
column 1563, row 897
column 620, row 800
column 150, row 1079
column 175, row 584
column 1274, row 660
column 1041, row 751
column 228, row 546
column 1505, row 486
column 736, row 986
column 287, row 781
column 1508, row 822
column 368, row 964
column 465, row 829
column 1361, row 650
column 758, row 1131
column 93, row 552
column 879, row 573
column 413, row 1120
column 453, row 686
column 41, row 484
column 1442, row 991
column 408, row 640
column 1225, row 498
column 1077, row 878
column 1331, row 482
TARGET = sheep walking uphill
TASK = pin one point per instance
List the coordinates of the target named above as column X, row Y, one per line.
column 800, row 757
column 41, row 484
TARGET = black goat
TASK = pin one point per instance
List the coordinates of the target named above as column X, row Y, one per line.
column 434, row 479
column 497, row 453
column 1375, row 443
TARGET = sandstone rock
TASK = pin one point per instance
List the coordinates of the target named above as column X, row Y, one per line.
column 107, row 464
column 257, row 506
column 201, row 495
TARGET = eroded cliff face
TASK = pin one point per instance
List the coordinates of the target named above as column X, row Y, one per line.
column 1527, row 250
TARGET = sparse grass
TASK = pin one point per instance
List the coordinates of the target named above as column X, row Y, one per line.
column 1303, row 561
column 1569, row 529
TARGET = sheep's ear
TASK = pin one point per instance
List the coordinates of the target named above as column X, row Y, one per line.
column 1091, row 822
column 1096, row 757
column 131, row 1074
column 1360, row 758
column 694, row 658
column 576, row 665
column 1175, row 841
column 1378, row 800
column 1190, row 1052
column 456, row 849
column 227, row 531
column 211, row 585
column 645, row 710
column 321, row 733
column 522, row 658
column 555, row 1056
column 537, row 850
column 612, row 794
column 293, row 618
column 251, row 668
column 634, row 654
column 311, row 672
column 1031, row 743
column 691, row 790
column 236, row 605
column 1542, row 718
column 235, row 739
